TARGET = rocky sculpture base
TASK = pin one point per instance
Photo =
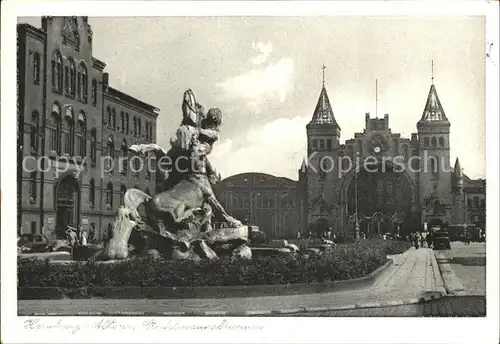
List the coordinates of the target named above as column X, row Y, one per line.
column 133, row 235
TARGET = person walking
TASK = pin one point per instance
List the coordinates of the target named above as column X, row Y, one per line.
column 428, row 238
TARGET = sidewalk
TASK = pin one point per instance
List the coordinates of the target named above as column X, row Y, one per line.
column 414, row 277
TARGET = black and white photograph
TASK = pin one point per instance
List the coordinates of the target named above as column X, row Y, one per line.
column 243, row 170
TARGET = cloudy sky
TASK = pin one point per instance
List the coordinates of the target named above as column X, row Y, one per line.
column 265, row 75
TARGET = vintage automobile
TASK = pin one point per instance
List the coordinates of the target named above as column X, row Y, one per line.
column 38, row 243
column 441, row 240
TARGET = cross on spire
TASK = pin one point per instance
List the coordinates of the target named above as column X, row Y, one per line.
column 432, row 71
column 324, row 67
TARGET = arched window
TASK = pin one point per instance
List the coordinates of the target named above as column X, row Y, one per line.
column 151, row 131
column 124, row 167
column 33, row 186
column 92, row 193
column 441, row 141
column 72, row 77
column 434, row 166
column 54, row 129
column 34, row 130
column 80, row 135
column 426, row 141
column 146, row 130
column 137, row 165
column 134, row 120
column 36, row 67
column 476, row 202
column 109, row 195
column 139, row 126
column 434, row 141
column 111, row 152
column 122, row 121
column 93, row 145
column 68, row 132
column 406, row 152
column 57, row 72
column 113, row 117
column 83, row 82
column 123, row 189
column 127, row 128
column 94, row 92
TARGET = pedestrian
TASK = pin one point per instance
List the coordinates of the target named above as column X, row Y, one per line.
column 416, row 239
column 298, row 235
column 91, row 237
column 428, row 238
column 329, row 234
column 422, row 239
column 83, row 237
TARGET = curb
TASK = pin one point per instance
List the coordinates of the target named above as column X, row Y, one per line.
column 54, row 293
column 297, row 311
column 451, row 283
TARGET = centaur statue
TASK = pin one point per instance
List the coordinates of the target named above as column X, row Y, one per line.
column 177, row 221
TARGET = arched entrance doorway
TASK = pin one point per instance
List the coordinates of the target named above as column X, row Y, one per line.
column 383, row 194
column 67, row 205
column 322, row 226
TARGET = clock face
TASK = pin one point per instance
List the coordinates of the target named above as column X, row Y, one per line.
column 379, row 144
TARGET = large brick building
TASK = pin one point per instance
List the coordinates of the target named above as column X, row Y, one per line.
column 70, row 115
column 273, row 203
column 424, row 189
column 390, row 200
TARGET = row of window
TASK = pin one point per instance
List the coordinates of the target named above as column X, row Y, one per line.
column 260, row 201
column 109, row 152
column 433, row 141
column 66, row 76
column 74, row 79
column 108, row 190
column 110, row 121
column 475, row 202
column 321, row 144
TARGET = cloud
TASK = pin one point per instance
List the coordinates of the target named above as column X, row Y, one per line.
column 276, row 148
column 264, row 51
column 262, row 84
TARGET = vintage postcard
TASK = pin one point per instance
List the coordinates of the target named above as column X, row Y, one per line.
column 200, row 171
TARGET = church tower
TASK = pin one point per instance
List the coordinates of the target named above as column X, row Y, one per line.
column 323, row 135
column 434, row 146
column 459, row 203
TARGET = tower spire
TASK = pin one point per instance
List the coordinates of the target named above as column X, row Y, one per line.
column 323, row 68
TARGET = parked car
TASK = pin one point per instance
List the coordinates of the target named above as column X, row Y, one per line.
column 441, row 240
column 38, row 243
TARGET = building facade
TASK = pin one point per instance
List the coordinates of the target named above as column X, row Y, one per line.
column 272, row 203
column 71, row 125
column 401, row 183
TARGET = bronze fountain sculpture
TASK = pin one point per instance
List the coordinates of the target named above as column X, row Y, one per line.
column 177, row 222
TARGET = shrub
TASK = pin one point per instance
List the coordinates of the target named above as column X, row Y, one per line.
column 346, row 261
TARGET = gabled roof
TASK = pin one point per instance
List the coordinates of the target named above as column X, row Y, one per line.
column 433, row 110
column 323, row 114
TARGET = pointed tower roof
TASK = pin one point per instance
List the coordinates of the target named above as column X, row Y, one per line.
column 323, row 113
column 433, row 110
